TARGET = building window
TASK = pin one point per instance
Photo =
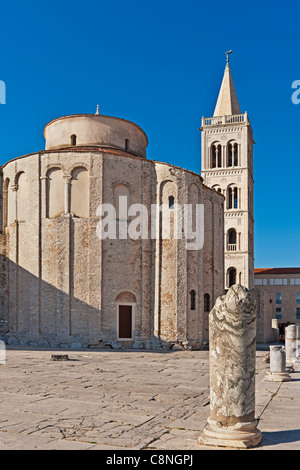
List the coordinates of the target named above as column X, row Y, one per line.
column 206, row 303
column 298, row 298
column 216, row 156
column 193, row 300
column 231, row 240
column 233, row 154
column 278, row 298
column 297, row 313
column 235, row 198
column 126, row 144
column 73, row 139
column 278, row 313
column 232, row 198
column 171, row 202
column 231, row 277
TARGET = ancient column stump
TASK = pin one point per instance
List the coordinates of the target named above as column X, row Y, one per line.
column 232, row 353
column 298, row 340
column 278, row 371
column 290, row 346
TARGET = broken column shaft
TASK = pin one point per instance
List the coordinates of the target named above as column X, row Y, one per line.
column 278, row 372
column 232, row 345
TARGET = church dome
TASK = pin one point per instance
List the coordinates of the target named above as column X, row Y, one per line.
column 95, row 130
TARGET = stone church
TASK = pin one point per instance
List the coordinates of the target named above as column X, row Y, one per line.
column 63, row 285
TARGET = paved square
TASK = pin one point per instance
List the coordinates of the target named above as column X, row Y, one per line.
column 112, row 399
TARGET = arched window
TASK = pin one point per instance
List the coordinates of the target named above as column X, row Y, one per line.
column 231, row 240
column 216, row 156
column 231, row 277
column 232, row 197
column 235, row 198
column 206, row 303
column 229, row 198
column 217, row 188
column 235, row 154
column 73, row 139
column 193, row 300
column 232, row 154
column 171, row 202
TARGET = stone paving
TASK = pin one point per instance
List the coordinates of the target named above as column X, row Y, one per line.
column 124, row 400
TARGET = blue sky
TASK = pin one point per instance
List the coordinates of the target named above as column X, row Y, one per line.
column 160, row 64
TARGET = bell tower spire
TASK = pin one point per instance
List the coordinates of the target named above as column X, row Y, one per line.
column 227, row 167
column 227, row 103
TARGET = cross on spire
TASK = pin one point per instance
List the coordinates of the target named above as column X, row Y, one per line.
column 227, row 54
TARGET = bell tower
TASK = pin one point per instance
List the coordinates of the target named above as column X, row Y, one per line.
column 227, row 167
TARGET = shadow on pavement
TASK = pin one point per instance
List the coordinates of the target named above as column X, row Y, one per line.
column 280, row 437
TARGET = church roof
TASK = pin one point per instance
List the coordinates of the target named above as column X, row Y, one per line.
column 227, row 103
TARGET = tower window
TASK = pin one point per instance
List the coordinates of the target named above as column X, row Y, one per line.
column 126, row 144
column 73, row 139
column 231, row 245
column 206, row 302
column 235, row 155
column 235, row 198
column 171, row 202
column 216, row 156
column 232, row 154
column 231, row 277
column 193, row 300
column 232, row 198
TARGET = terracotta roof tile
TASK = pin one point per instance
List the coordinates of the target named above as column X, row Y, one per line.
column 277, row 271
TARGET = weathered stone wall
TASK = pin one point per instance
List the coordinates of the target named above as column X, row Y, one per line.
column 213, row 263
column 61, row 284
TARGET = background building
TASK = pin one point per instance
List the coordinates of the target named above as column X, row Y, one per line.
column 283, row 289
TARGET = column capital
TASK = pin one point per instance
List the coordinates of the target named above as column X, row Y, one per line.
column 67, row 178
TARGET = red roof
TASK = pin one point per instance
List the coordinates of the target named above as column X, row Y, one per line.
column 277, row 271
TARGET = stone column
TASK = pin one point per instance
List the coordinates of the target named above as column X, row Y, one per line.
column 298, row 340
column 290, row 346
column 67, row 179
column 278, row 372
column 232, row 344
column 14, row 188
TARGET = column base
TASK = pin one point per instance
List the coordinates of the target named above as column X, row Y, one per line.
column 277, row 376
column 238, row 436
